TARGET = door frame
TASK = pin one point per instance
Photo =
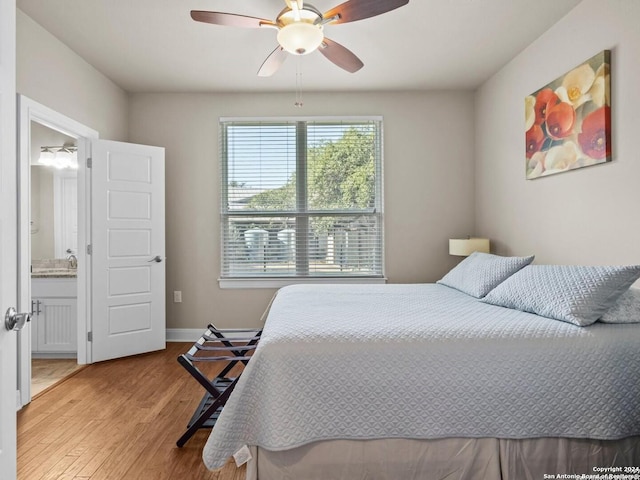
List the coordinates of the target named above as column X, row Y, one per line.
column 28, row 111
column 8, row 237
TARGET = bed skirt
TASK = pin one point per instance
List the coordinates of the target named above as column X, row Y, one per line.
column 448, row 458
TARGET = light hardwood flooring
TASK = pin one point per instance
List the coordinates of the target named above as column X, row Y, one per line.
column 118, row 420
column 47, row 372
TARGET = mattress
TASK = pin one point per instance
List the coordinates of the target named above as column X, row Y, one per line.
column 358, row 362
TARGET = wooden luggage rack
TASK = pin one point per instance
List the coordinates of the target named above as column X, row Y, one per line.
column 232, row 346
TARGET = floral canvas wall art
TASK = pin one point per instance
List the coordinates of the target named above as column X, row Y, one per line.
column 568, row 121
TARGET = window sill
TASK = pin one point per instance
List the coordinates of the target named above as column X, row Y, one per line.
column 283, row 282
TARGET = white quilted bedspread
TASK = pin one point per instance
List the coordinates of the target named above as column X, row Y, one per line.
column 425, row 361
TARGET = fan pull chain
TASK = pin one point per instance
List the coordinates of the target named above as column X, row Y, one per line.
column 299, row 103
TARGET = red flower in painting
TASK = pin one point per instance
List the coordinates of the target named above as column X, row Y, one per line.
column 544, row 99
column 535, row 138
column 596, row 129
column 560, row 120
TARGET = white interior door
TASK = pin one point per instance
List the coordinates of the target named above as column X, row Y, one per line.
column 8, row 239
column 127, row 249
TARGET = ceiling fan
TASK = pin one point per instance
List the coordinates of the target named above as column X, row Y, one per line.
column 300, row 29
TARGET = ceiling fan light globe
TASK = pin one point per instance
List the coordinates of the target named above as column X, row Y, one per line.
column 300, row 38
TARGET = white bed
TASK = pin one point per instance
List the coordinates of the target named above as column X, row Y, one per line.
column 423, row 381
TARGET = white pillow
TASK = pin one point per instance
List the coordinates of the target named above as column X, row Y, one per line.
column 625, row 310
column 571, row 293
column 480, row 273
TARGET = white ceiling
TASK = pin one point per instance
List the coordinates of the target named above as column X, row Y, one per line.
column 154, row 46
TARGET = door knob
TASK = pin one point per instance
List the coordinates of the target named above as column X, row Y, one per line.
column 156, row 259
column 14, row 320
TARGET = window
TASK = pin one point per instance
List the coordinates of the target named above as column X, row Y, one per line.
column 301, row 198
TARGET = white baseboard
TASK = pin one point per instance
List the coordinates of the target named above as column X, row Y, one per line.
column 54, row 355
column 183, row 334
column 193, row 334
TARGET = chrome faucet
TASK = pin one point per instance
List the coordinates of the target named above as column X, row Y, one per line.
column 73, row 260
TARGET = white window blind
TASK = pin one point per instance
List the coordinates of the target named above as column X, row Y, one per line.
column 301, row 198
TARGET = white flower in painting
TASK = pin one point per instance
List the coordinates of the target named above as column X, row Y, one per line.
column 529, row 112
column 598, row 93
column 576, row 85
column 586, row 162
column 561, row 158
column 535, row 165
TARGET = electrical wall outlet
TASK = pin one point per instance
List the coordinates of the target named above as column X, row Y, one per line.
column 177, row 296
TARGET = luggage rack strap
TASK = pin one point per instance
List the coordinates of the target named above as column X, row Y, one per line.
column 209, row 338
column 226, row 348
column 217, row 358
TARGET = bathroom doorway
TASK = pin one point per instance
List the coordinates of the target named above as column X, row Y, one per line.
column 119, row 284
column 52, row 223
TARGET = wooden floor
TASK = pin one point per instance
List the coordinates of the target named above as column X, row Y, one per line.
column 117, row 420
column 47, row 372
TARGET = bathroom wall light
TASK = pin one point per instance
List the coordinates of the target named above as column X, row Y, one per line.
column 62, row 157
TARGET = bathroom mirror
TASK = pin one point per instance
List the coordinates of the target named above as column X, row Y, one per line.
column 54, row 210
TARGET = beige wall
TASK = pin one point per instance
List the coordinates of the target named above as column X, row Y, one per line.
column 428, row 186
column 52, row 74
column 587, row 216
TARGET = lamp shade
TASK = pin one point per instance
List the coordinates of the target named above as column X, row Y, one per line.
column 47, row 157
column 464, row 247
column 62, row 159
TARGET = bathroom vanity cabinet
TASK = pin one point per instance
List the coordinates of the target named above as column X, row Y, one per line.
column 54, row 316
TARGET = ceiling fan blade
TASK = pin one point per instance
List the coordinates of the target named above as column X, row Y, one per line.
column 229, row 19
column 353, row 10
column 341, row 56
column 273, row 62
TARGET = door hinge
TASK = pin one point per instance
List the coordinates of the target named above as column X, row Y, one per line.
column 89, row 250
column 89, row 162
column 89, row 336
